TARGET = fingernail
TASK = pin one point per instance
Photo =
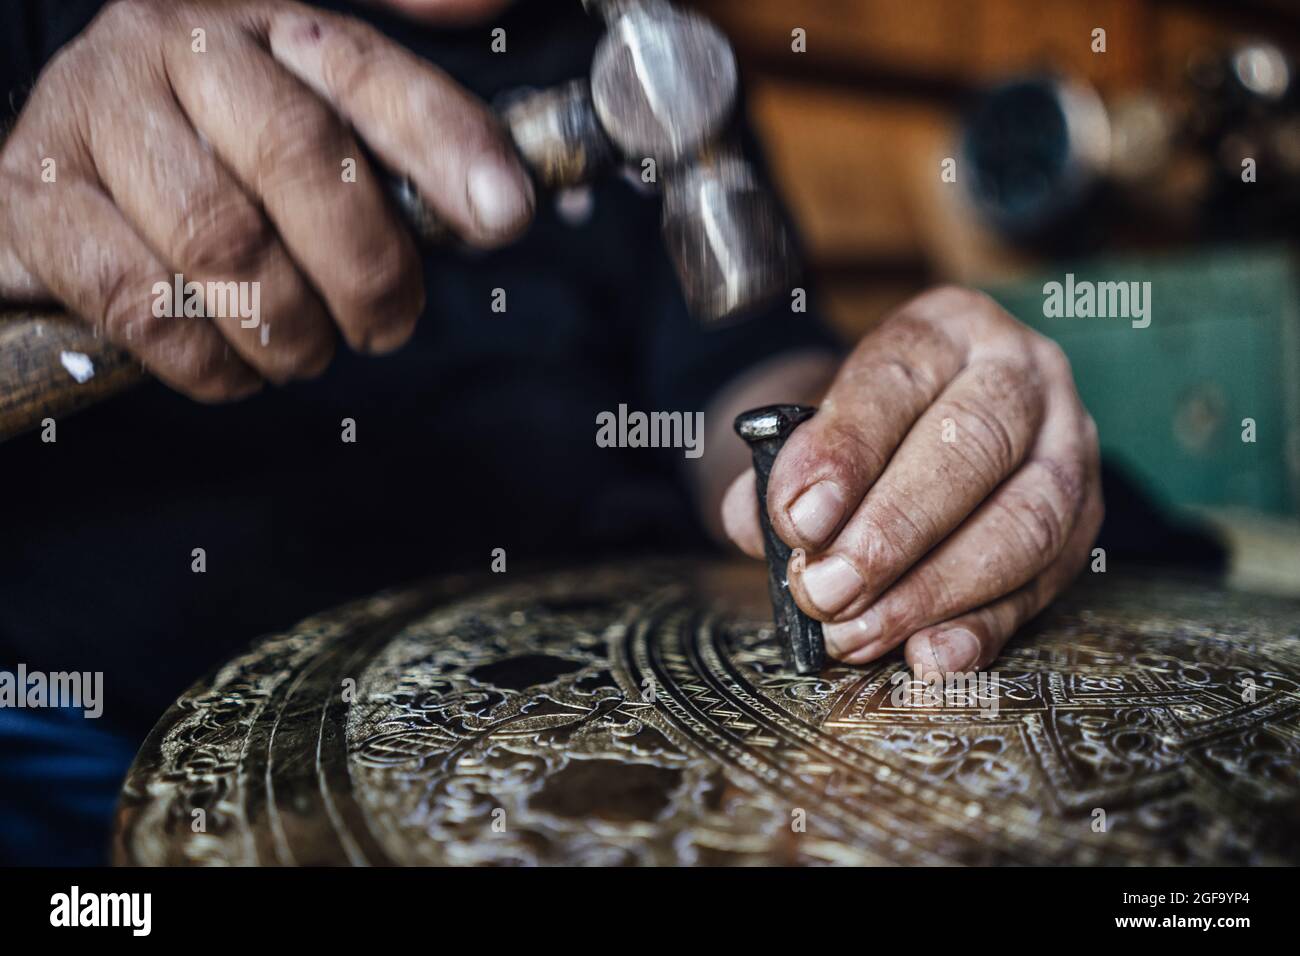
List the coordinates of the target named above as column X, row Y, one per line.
column 500, row 194
column 954, row 650
column 836, row 637
column 867, row 652
column 816, row 513
column 831, row 583
column 740, row 518
column 850, row 636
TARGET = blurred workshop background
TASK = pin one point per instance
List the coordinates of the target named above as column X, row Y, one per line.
column 1173, row 156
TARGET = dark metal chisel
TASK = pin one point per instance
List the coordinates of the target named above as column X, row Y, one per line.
column 766, row 430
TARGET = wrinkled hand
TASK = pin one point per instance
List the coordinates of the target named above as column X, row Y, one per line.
column 228, row 165
column 946, row 491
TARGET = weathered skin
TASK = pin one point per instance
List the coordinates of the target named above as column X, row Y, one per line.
column 227, row 165
column 947, row 545
column 958, row 469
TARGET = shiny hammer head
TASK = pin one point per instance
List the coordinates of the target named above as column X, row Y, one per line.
column 664, row 87
column 663, row 81
column 726, row 238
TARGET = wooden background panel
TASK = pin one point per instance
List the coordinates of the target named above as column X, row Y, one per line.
column 943, row 45
column 844, row 162
column 856, row 305
column 942, row 40
column 1019, row 36
column 917, row 36
column 857, row 126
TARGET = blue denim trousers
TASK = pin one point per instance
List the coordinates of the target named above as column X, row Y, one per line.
column 59, row 778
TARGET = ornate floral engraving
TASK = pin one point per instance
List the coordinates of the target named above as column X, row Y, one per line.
column 625, row 716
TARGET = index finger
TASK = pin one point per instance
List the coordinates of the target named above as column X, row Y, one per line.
column 827, row 465
column 287, row 148
column 417, row 120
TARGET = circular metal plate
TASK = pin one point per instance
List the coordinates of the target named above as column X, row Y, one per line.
column 644, row 716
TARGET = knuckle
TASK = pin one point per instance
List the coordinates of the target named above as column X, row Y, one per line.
column 222, row 233
column 1042, row 529
column 126, row 315
column 59, row 73
column 293, row 140
column 849, row 444
column 353, row 61
column 1052, row 358
column 947, row 303
column 893, row 535
column 187, row 356
column 1035, row 524
column 914, row 333
column 1007, row 380
column 1064, row 484
column 131, row 323
column 67, row 98
column 906, row 374
column 905, row 358
column 908, row 380
column 61, row 92
column 984, row 444
column 983, row 315
column 931, row 589
column 897, row 617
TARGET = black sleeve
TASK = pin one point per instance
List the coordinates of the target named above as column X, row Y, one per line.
column 33, row 32
column 685, row 363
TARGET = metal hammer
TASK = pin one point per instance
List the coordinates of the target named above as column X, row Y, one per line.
column 663, row 87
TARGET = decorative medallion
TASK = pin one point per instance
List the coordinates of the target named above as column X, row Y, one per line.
column 644, row 715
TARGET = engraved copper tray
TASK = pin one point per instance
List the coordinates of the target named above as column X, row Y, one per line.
column 643, row 715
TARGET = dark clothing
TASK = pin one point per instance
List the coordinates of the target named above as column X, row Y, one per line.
column 478, row 434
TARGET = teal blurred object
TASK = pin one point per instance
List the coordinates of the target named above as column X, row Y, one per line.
column 1223, row 345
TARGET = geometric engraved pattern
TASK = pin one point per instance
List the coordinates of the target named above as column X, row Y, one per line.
column 634, row 716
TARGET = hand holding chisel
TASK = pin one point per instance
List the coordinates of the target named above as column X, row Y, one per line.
column 766, row 430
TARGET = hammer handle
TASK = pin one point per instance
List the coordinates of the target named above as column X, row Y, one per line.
column 39, row 351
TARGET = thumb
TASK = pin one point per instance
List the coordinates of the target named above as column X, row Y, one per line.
column 415, row 118
column 740, row 515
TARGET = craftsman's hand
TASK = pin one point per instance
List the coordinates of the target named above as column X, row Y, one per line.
column 219, row 141
column 946, row 490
